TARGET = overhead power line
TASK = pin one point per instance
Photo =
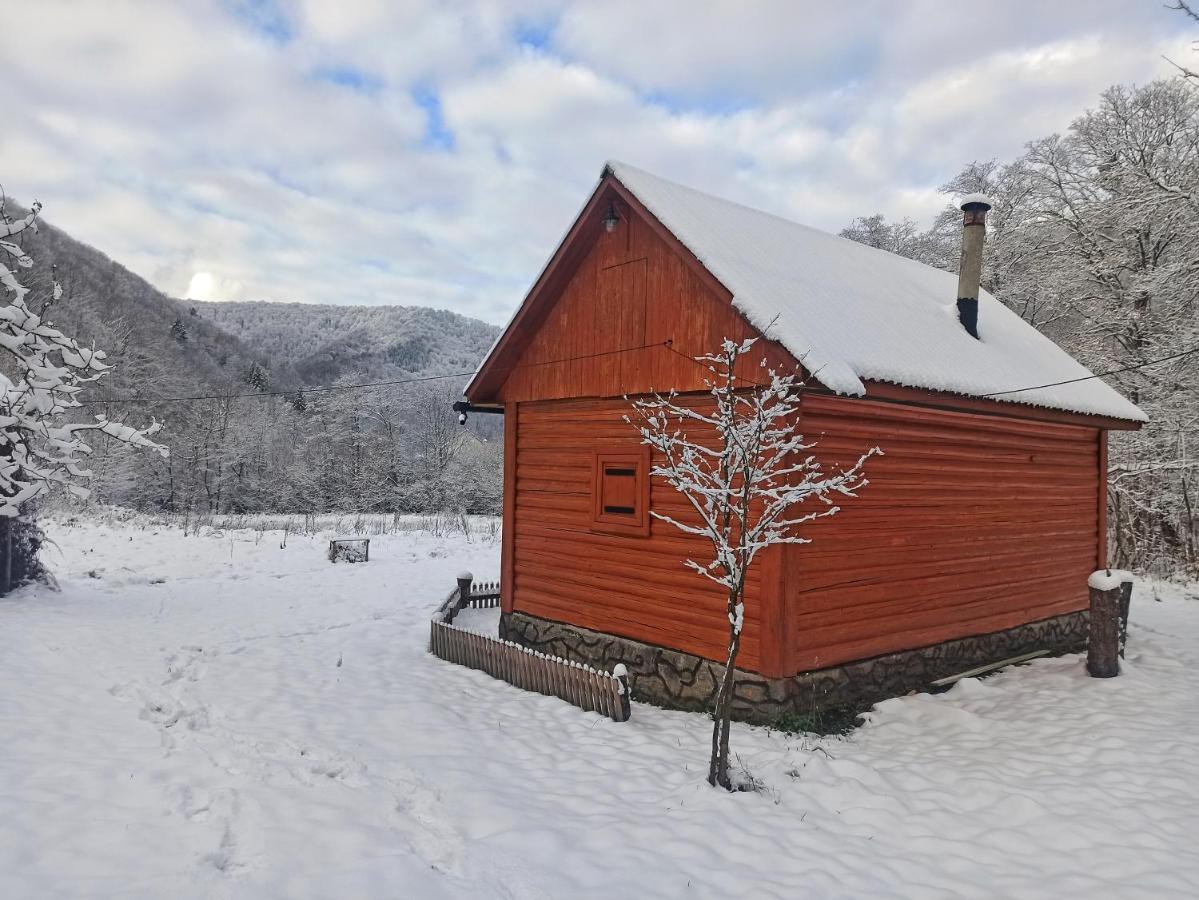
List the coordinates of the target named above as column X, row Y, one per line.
column 668, row 344
column 1152, row 362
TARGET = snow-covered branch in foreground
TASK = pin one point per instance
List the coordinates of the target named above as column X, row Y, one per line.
column 45, row 372
column 739, row 460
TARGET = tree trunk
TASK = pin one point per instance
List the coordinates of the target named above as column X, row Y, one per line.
column 1103, row 642
column 722, row 713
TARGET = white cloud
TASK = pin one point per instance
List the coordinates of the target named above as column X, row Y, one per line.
column 422, row 152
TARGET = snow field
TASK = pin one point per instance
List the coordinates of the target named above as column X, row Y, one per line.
column 215, row 716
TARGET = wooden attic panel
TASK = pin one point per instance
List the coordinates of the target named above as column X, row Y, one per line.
column 624, row 295
column 970, row 524
column 633, row 367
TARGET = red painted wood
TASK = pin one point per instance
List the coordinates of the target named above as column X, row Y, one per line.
column 1101, row 545
column 608, row 293
column 567, row 570
column 626, row 298
column 508, row 529
column 971, row 523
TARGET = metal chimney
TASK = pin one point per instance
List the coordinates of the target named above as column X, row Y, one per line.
column 970, row 269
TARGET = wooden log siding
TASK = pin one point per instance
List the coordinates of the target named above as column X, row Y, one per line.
column 628, row 585
column 522, row 667
column 631, row 289
column 971, row 524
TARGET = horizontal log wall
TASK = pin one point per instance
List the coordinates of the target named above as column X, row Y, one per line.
column 970, row 524
column 633, row 586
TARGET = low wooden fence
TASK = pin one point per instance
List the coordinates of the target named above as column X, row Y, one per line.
column 520, row 666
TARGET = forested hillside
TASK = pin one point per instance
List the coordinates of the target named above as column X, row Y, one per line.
column 323, row 343
column 161, row 347
column 228, row 384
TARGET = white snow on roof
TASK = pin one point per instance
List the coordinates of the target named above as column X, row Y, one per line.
column 853, row 313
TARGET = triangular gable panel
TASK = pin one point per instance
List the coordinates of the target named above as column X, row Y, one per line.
column 620, row 312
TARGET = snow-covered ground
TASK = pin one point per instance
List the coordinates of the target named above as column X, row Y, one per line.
column 217, row 716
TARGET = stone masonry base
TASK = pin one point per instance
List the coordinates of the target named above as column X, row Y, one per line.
column 682, row 681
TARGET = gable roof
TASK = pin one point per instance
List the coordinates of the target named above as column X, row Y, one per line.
column 853, row 313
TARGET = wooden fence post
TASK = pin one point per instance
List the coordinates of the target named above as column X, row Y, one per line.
column 1103, row 641
column 621, row 674
column 464, row 582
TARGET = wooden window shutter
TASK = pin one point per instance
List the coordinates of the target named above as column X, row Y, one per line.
column 620, row 491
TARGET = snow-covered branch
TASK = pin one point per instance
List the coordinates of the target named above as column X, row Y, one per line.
column 46, row 371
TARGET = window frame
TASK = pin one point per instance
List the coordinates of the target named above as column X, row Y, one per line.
column 636, row 525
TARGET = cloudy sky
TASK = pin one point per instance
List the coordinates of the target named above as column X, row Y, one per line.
column 380, row 151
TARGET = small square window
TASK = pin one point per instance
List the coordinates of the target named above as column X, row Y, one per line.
column 620, row 491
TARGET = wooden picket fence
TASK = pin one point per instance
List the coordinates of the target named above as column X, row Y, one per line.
column 523, row 667
column 485, row 595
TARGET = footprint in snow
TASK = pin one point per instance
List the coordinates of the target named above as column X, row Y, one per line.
column 419, row 817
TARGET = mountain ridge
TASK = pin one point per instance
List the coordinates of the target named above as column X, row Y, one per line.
column 325, row 342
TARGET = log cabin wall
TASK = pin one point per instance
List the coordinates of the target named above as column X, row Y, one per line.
column 970, row 524
column 637, row 587
column 632, row 288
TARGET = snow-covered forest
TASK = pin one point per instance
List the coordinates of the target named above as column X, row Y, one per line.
column 394, row 448
column 1094, row 238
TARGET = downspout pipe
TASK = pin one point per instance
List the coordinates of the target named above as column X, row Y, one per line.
column 974, row 228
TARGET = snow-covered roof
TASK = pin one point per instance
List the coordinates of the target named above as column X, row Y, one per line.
column 853, row 313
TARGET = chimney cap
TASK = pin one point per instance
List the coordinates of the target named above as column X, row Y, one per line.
column 975, row 200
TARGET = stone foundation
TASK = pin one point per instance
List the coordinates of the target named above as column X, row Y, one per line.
column 681, row 681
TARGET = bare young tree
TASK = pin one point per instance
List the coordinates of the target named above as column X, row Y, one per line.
column 743, row 466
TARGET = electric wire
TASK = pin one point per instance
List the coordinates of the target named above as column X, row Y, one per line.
column 337, row 388
column 668, row 344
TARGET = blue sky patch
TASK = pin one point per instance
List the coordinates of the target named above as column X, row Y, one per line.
column 349, row 77
column 437, row 134
column 264, row 17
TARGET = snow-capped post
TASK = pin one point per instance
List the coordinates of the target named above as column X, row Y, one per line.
column 39, row 388
column 1103, row 640
column 621, row 674
column 465, row 579
column 743, row 470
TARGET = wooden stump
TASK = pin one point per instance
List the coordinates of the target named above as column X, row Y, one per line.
column 1103, row 643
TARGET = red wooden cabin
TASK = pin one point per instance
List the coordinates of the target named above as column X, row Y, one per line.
column 972, row 542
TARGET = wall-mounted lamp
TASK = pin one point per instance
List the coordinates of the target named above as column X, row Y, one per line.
column 611, row 218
